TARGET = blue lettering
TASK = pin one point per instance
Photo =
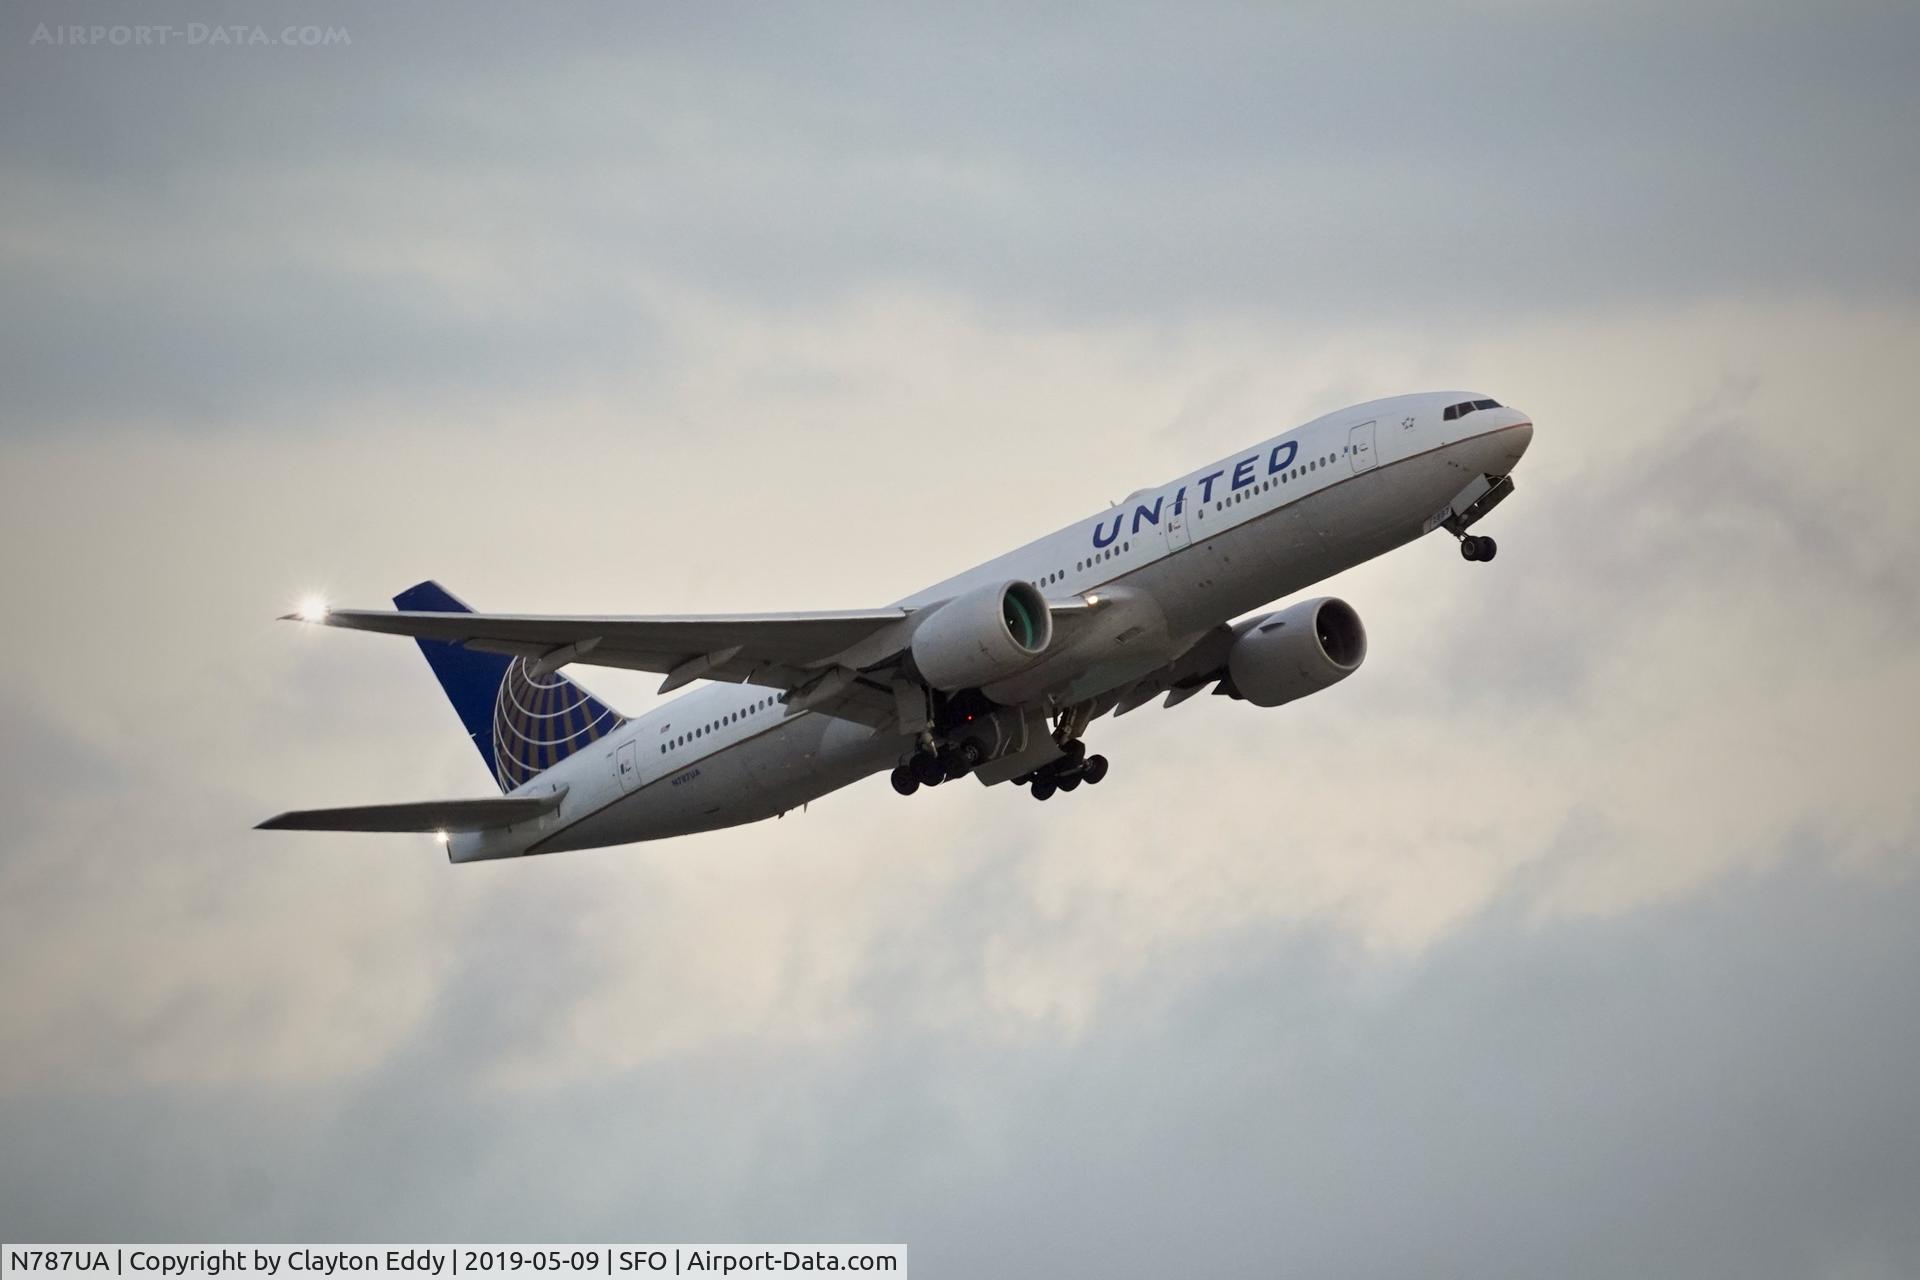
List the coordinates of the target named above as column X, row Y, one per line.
column 1099, row 541
column 1180, row 500
column 1151, row 513
column 1275, row 463
column 1206, row 486
column 1243, row 473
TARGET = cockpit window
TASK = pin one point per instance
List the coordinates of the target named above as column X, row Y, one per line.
column 1466, row 407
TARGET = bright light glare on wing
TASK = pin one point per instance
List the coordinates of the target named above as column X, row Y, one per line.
column 312, row 609
column 442, row 837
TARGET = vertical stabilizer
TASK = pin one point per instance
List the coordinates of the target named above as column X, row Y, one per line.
column 521, row 725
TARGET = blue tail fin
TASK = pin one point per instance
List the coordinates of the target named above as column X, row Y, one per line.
column 521, row 725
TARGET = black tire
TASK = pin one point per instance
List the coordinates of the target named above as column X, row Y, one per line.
column 1470, row 548
column 903, row 780
column 1069, row 782
column 1042, row 788
column 1093, row 770
column 1488, row 548
column 928, row 769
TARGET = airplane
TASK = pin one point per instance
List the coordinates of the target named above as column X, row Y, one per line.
column 996, row 673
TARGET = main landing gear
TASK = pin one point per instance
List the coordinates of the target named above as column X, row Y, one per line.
column 931, row 768
column 1477, row 547
column 1066, row 773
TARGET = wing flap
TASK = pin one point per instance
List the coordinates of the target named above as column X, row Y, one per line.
column 419, row 815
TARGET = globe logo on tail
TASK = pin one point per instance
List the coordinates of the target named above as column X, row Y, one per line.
column 539, row 723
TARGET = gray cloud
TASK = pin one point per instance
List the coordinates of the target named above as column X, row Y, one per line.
column 1718, row 1086
column 505, row 198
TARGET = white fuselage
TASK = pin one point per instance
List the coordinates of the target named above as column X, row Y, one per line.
column 1178, row 560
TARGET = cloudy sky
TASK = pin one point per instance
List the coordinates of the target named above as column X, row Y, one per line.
column 1573, row 936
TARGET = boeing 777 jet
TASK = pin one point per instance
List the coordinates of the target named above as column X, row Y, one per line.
column 996, row 674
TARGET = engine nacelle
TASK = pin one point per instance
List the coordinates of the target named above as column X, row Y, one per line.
column 1299, row 650
column 982, row 635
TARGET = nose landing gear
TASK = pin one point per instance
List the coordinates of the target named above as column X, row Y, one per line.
column 1477, row 547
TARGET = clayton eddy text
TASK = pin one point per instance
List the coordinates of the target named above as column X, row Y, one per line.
column 426, row 1262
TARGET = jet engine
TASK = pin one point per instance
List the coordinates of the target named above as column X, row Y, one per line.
column 1299, row 650
column 982, row 635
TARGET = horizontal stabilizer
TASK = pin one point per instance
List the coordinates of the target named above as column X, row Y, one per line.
column 421, row 815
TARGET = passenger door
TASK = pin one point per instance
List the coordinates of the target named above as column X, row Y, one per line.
column 1178, row 535
column 1360, row 447
column 627, row 765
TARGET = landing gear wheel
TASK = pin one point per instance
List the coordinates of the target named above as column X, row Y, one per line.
column 1042, row 788
column 1076, row 752
column 903, row 780
column 1487, row 548
column 1069, row 782
column 1470, row 548
column 962, row 760
column 1093, row 770
column 928, row 769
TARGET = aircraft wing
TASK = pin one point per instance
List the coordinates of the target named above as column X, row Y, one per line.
column 423, row 815
column 684, row 649
column 825, row 660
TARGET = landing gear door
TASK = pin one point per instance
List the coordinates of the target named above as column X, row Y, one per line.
column 627, row 765
column 1360, row 447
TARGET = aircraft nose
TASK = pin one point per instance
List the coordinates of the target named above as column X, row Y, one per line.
column 1519, row 435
